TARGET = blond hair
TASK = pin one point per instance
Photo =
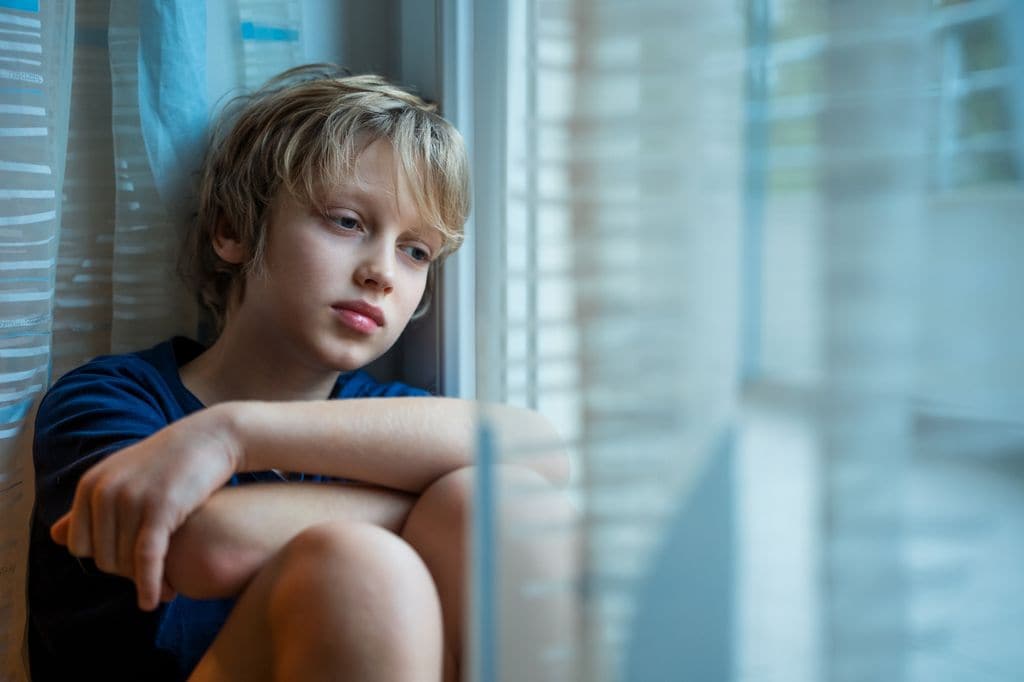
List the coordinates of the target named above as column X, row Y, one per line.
column 302, row 133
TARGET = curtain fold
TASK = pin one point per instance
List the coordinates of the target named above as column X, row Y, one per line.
column 148, row 302
column 91, row 213
column 172, row 97
column 82, row 304
column 103, row 117
column 35, row 77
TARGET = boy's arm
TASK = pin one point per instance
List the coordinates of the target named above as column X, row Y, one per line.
column 226, row 541
column 399, row 443
column 127, row 506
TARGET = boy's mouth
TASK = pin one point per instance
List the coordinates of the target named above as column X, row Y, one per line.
column 360, row 315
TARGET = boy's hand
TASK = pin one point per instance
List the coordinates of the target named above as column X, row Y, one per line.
column 127, row 506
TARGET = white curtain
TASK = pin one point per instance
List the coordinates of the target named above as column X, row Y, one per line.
column 103, row 112
column 35, row 70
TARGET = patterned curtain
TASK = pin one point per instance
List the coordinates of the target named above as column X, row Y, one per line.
column 103, row 113
column 35, row 78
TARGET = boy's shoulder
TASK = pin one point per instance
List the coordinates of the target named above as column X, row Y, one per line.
column 153, row 375
column 148, row 377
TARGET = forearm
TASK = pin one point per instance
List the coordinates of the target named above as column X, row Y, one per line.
column 398, row 443
column 157, row 486
column 224, row 542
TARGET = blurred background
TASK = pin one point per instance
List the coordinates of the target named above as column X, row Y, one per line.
column 757, row 261
column 764, row 256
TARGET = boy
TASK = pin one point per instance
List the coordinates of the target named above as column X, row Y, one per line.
column 325, row 208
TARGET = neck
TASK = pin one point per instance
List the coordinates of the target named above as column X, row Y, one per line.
column 236, row 368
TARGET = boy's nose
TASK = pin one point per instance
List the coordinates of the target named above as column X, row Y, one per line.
column 377, row 270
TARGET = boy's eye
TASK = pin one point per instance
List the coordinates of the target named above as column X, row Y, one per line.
column 345, row 222
column 417, row 254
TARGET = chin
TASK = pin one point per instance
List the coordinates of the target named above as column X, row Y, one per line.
column 347, row 363
column 348, row 354
column 347, row 360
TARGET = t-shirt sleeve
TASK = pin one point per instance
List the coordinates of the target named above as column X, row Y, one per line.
column 76, row 612
column 86, row 416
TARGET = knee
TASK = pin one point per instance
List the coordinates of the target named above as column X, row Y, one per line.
column 352, row 594
column 332, row 569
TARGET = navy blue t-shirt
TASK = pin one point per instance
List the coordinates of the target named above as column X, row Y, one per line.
column 83, row 623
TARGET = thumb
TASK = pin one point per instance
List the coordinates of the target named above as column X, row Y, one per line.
column 59, row 530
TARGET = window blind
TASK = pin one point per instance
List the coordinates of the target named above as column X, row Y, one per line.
column 606, row 320
column 837, row 181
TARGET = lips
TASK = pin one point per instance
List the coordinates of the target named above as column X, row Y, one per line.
column 362, row 309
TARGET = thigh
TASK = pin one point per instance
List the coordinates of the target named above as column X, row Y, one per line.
column 339, row 597
column 242, row 648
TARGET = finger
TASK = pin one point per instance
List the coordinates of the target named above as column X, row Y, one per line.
column 59, row 530
column 104, row 528
column 80, row 528
column 127, row 536
column 150, row 550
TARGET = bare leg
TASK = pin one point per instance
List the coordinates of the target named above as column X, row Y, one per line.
column 341, row 600
column 438, row 528
column 538, row 580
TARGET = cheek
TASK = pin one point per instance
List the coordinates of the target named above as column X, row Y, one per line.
column 324, row 266
column 416, row 293
column 409, row 293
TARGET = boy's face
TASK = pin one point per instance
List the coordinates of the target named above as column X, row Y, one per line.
column 340, row 287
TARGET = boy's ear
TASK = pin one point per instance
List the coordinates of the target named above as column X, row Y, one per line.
column 227, row 246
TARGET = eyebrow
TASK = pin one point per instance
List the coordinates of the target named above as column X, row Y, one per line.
column 351, row 193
